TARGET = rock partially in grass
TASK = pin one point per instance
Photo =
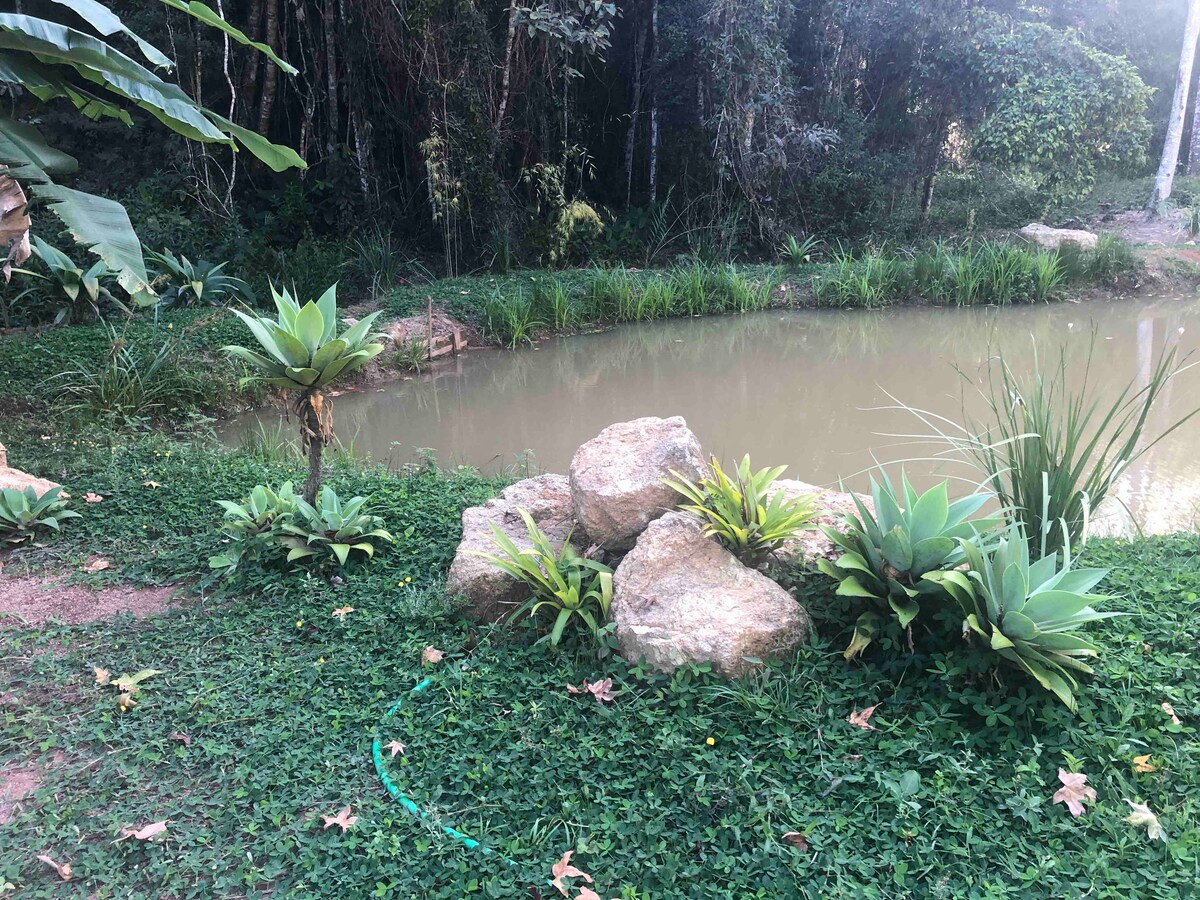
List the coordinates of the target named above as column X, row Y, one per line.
column 491, row 594
column 17, row 480
column 831, row 506
column 617, row 477
column 680, row 597
column 1054, row 238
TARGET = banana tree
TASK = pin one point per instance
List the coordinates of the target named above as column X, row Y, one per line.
column 52, row 61
column 303, row 356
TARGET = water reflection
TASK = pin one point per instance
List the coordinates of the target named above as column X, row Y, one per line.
column 802, row 388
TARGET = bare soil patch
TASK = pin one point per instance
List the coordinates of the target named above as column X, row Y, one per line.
column 1138, row 227
column 30, row 600
column 16, row 783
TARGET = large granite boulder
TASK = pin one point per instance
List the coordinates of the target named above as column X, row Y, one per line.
column 832, row 506
column 680, row 597
column 17, row 480
column 1053, row 238
column 491, row 594
column 617, row 477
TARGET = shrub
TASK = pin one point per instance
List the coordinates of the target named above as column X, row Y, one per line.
column 743, row 512
column 796, row 252
column 1028, row 615
column 269, row 522
column 23, row 512
column 566, row 588
column 888, row 554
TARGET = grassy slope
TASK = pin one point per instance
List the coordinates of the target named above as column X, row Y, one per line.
column 281, row 719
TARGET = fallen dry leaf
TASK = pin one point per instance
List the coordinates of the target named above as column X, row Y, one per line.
column 862, row 718
column 146, row 832
column 563, row 869
column 798, row 840
column 1170, row 711
column 131, row 684
column 102, row 675
column 1141, row 817
column 586, row 893
column 151, row 484
column 343, row 820
column 126, row 701
column 63, row 870
column 601, row 690
column 341, row 612
column 1073, row 792
column 1142, row 764
column 395, row 747
column 99, row 564
column 91, row 497
column 183, row 738
column 431, row 655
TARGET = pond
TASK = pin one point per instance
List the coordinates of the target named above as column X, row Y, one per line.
column 804, row 388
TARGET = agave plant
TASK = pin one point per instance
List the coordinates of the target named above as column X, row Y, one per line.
column 797, row 252
column 196, row 282
column 562, row 583
column 1029, row 614
column 742, row 512
column 332, row 527
column 254, row 526
column 22, row 512
column 304, row 356
column 888, row 554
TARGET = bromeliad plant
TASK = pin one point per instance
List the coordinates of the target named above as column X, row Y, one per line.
column 304, row 356
column 332, row 528
column 190, row 282
column 254, row 526
column 1029, row 615
column 83, row 291
column 23, row 512
column 888, row 554
column 743, row 512
column 564, row 585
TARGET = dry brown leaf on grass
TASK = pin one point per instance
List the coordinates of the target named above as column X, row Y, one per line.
column 563, row 869
column 126, row 701
column 1141, row 764
column 92, row 497
column 151, row 484
column 99, row 564
column 183, row 738
column 586, row 893
column 343, row 820
column 431, row 655
column 151, row 832
column 341, row 612
column 862, row 717
column 798, row 840
column 601, row 690
column 395, row 747
column 63, row 869
column 1170, row 711
column 1073, row 792
column 102, row 675
column 1141, row 817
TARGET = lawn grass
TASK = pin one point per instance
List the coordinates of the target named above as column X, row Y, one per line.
column 949, row 797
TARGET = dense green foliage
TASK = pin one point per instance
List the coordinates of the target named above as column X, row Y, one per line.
column 280, row 701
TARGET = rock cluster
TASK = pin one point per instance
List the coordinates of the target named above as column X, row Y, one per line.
column 1054, row 238
column 678, row 597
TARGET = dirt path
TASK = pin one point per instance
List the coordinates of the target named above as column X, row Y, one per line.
column 27, row 601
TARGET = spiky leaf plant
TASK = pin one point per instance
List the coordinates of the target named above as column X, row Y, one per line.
column 303, row 356
column 23, row 512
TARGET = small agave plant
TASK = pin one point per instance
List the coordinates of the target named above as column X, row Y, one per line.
column 23, row 512
column 887, row 555
column 332, row 527
column 254, row 525
column 1028, row 614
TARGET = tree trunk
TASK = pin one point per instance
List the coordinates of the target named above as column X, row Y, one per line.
column 635, row 110
column 271, row 79
column 926, row 203
column 653, row 101
column 313, row 439
column 328, row 21
column 1193, row 165
column 506, row 76
column 250, row 70
column 1170, row 158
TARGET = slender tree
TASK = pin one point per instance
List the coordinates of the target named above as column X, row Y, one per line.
column 1170, row 158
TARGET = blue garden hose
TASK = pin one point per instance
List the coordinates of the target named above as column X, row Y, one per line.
column 403, row 799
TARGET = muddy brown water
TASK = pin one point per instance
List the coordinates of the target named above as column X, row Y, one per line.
column 803, row 388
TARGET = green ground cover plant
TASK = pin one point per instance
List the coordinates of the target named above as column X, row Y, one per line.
column 678, row 786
